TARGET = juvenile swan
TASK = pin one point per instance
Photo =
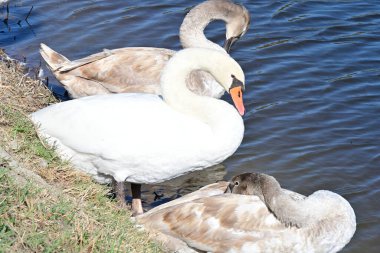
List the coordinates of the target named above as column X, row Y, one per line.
column 141, row 138
column 138, row 69
column 268, row 219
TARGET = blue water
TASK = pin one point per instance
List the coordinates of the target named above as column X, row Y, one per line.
column 313, row 86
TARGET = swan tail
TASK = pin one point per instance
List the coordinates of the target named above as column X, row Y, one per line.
column 53, row 59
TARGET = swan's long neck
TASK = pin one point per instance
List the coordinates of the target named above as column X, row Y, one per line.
column 323, row 210
column 191, row 32
column 223, row 119
column 285, row 208
column 325, row 218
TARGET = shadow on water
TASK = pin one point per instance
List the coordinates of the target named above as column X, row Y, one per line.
column 155, row 195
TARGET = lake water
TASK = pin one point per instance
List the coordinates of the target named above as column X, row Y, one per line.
column 312, row 96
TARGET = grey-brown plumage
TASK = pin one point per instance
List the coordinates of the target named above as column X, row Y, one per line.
column 266, row 218
column 285, row 207
column 138, row 69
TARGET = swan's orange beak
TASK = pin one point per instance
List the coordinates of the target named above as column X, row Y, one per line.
column 237, row 96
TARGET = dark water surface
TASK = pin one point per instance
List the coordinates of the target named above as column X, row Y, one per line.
column 313, row 85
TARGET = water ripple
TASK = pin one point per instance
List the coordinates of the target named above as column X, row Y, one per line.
column 312, row 72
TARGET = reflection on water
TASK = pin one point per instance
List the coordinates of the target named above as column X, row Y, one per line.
column 313, row 85
column 154, row 195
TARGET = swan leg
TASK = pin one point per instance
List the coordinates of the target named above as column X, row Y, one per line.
column 119, row 190
column 136, row 199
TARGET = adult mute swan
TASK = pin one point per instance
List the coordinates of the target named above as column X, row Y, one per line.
column 141, row 138
column 267, row 219
column 138, row 69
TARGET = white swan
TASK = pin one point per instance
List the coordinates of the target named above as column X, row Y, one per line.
column 138, row 69
column 141, row 138
column 273, row 220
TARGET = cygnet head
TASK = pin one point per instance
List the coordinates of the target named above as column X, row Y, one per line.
column 235, row 16
column 253, row 184
column 237, row 24
column 245, row 184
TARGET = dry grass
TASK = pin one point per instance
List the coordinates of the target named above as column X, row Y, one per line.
column 19, row 91
column 73, row 214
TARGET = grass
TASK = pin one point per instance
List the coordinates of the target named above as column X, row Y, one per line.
column 34, row 220
column 67, row 211
column 23, row 135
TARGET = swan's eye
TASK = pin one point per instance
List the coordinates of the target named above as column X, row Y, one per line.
column 236, row 183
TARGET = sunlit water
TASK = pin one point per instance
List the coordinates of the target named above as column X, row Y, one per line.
column 313, row 86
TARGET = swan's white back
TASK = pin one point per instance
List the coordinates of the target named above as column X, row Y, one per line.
column 141, row 138
column 151, row 131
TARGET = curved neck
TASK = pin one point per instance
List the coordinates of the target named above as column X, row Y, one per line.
column 220, row 116
column 285, row 208
column 191, row 32
column 325, row 215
